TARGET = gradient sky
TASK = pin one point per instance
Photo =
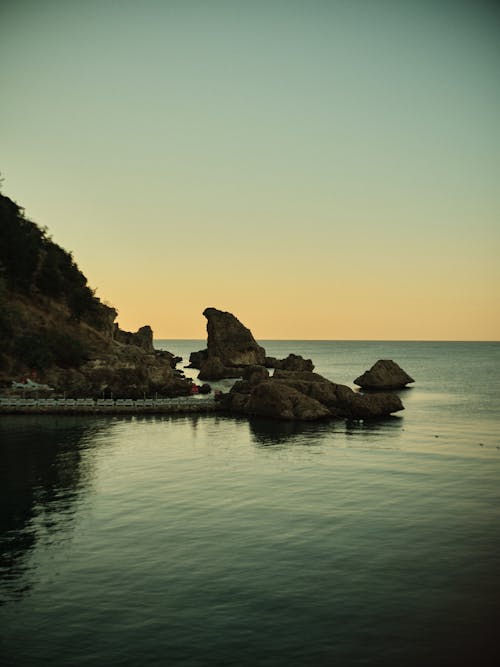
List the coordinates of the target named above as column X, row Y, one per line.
column 323, row 170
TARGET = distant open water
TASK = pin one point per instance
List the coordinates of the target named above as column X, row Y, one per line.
column 207, row 540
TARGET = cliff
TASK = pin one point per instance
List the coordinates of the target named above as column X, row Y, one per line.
column 56, row 331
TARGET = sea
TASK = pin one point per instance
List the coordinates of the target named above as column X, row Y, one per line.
column 210, row 540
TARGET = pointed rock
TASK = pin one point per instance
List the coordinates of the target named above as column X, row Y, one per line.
column 384, row 374
column 231, row 341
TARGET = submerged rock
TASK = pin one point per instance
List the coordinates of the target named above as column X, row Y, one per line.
column 384, row 374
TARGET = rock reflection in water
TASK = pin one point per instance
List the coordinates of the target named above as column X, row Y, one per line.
column 42, row 474
column 267, row 432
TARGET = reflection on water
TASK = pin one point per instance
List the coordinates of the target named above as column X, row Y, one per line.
column 267, row 432
column 42, row 475
column 204, row 540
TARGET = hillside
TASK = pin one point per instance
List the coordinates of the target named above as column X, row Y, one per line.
column 56, row 331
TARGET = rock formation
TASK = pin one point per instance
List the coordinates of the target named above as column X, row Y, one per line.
column 142, row 338
column 123, row 372
column 230, row 347
column 229, row 340
column 384, row 374
column 304, row 395
column 212, row 368
column 294, row 362
column 197, row 358
column 54, row 330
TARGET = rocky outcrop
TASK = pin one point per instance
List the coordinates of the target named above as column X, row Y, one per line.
column 230, row 340
column 124, row 372
column 212, row 368
column 294, row 362
column 384, row 374
column 231, row 347
column 142, row 338
column 197, row 358
column 297, row 395
column 56, row 331
column 268, row 399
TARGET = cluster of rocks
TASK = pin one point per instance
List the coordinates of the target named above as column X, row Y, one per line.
column 304, row 395
column 119, row 364
column 294, row 391
column 231, row 348
column 294, row 362
column 128, row 367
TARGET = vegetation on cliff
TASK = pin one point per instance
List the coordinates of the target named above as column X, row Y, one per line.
column 41, row 287
column 53, row 326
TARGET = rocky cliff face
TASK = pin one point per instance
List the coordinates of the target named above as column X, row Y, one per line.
column 53, row 328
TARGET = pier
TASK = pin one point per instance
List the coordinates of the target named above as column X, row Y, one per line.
column 109, row 406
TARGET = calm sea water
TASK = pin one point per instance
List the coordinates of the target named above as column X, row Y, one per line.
column 206, row 540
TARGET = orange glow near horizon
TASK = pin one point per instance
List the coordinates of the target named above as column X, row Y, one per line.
column 322, row 174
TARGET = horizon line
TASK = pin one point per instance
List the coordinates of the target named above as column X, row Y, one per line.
column 355, row 340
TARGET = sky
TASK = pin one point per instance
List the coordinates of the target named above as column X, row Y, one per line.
column 323, row 170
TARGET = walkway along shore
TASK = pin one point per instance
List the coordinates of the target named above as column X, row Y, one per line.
column 107, row 406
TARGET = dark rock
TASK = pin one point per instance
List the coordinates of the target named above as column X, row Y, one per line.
column 294, row 362
column 124, row 372
column 352, row 405
column 172, row 359
column 142, row 338
column 205, row 388
column 268, row 399
column 279, row 397
column 197, row 358
column 341, row 400
column 212, row 368
column 384, row 374
column 232, row 342
column 255, row 374
column 293, row 376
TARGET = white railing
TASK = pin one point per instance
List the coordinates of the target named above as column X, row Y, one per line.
column 179, row 401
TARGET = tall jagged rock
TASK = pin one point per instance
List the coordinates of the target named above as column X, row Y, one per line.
column 231, row 341
column 231, row 347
